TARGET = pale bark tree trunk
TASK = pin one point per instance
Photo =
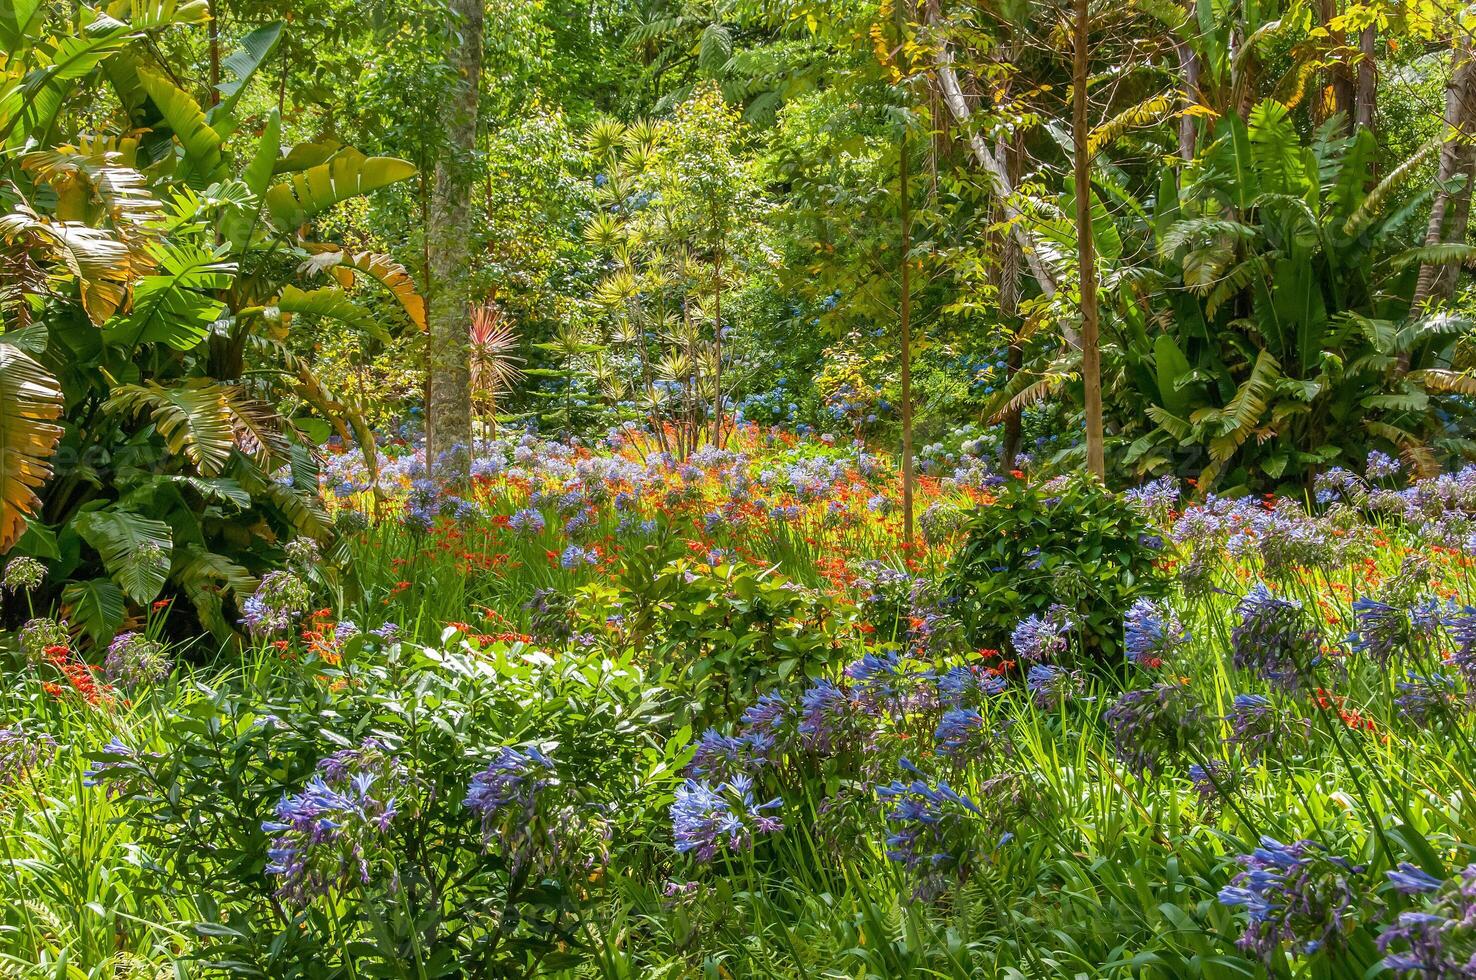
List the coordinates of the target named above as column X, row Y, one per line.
column 1339, row 78
column 1009, row 312
column 1189, row 76
column 450, row 234
column 1451, row 213
column 993, row 165
column 1091, row 355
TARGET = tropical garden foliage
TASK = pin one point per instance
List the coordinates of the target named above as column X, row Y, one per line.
column 862, row 488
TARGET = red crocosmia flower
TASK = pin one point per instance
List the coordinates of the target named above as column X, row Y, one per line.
column 162, row 604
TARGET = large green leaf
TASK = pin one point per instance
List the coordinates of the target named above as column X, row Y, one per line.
column 29, row 399
column 242, row 63
column 172, row 307
column 96, row 606
column 239, row 224
column 17, row 20
column 204, row 160
column 135, row 549
column 194, row 419
column 1172, row 367
column 330, row 301
column 316, row 189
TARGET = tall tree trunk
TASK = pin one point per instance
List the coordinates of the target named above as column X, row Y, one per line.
column 1451, row 213
column 1365, row 95
column 717, row 335
column 1009, row 314
column 1339, row 79
column 214, row 34
column 904, row 205
column 1189, row 80
column 1091, row 355
column 1004, row 189
column 450, row 235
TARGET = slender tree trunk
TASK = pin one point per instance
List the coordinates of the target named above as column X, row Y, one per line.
column 450, row 234
column 1009, row 313
column 1365, row 96
column 1451, row 213
column 1091, row 355
column 1339, row 78
column 214, row 34
column 717, row 370
column 904, row 206
column 1189, row 79
column 958, row 107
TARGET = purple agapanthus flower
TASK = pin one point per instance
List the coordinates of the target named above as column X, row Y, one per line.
column 827, row 717
column 1152, row 724
column 23, row 753
column 1437, row 940
column 706, row 818
column 505, row 796
column 325, row 836
column 1152, row 633
column 1381, row 465
column 528, row 522
column 1273, row 640
column 1259, row 728
column 1039, row 638
column 1380, row 631
column 932, row 829
column 1298, row 897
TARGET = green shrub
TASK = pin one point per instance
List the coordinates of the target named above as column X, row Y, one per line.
column 1069, row 542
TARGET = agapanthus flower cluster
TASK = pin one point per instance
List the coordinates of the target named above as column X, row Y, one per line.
column 23, row 574
column 1153, row 724
column 963, row 734
column 1260, row 729
column 505, row 796
column 326, row 837
column 706, row 818
column 280, row 600
column 1289, row 539
column 1429, row 700
column 1213, row 779
column 120, row 771
column 1299, row 897
column 22, row 753
column 1381, row 466
column 1051, row 686
column 1043, row 637
column 1381, row 631
column 1155, row 499
column 1152, row 633
column 933, row 830
column 827, row 718
column 1273, row 640
column 1438, row 940
column 133, row 659
column 41, row 634
column 969, row 684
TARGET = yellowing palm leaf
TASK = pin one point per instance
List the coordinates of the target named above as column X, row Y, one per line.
column 29, row 399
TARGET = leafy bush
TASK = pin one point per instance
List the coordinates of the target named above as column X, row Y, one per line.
column 446, row 806
column 151, row 413
column 1067, row 543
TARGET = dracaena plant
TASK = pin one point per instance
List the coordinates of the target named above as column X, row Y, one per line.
column 153, row 266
